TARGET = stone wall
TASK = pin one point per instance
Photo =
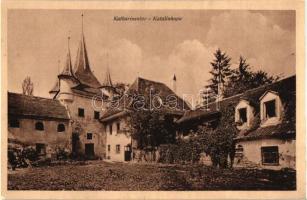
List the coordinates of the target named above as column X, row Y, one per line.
column 27, row 135
column 87, row 124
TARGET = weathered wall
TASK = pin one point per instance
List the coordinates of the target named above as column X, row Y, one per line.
column 121, row 138
column 252, row 153
column 87, row 124
column 27, row 134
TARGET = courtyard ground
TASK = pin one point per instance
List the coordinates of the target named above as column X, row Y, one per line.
column 100, row 175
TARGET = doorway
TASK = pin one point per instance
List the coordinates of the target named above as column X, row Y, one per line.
column 75, row 144
column 127, row 153
column 89, row 151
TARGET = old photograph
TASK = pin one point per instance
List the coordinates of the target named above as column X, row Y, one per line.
column 151, row 100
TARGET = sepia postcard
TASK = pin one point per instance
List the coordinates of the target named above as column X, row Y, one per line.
column 153, row 100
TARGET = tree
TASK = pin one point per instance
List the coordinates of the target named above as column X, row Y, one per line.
column 243, row 72
column 151, row 128
column 243, row 78
column 240, row 80
column 218, row 141
column 220, row 70
column 262, row 78
column 27, row 86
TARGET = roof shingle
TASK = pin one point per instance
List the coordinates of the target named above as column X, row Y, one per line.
column 35, row 107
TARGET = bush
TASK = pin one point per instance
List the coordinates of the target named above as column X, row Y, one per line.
column 184, row 151
column 62, row 154
column 21, row 157
column 29, row 153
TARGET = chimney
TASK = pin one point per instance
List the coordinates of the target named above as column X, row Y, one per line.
column 174, row 84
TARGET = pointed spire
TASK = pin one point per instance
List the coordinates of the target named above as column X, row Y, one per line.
column 107, row 81
column 174, row 84
column 82, row 62
column 56, row 86
column 82, row 23
column 174, row 77
column 82, row 69
column 67, row 70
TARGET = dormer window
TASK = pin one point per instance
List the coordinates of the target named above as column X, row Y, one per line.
column 244, row 114
column 270, row 108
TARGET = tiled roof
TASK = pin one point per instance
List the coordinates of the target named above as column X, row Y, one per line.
column 107, row 81
column 282, row 130
column 82, row 67
column 286, row 90
column 67, row 70
column 35, row 107
column 143, row 86
column 198, row 114
column 87, row 91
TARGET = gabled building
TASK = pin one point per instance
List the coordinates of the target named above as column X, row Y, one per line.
column 76, row 89
column 120, row 146
column 41, row 123
column 265, row 122
column 71, row 107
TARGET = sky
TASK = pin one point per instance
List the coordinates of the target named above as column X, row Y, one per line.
column 37, row 44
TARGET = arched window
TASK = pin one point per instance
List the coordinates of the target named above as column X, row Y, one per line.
column 39, row 126
column 61, row 127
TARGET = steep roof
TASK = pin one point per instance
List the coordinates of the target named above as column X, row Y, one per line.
column 35, row 107
column 107, row 81
column 82, row 68
column 146, row 88
column 286, row 90
column 67, row 70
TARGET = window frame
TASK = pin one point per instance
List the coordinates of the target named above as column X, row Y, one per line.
column 250, row 114
column 117, row 149
column 96, row 114
column 89, row 136
column 269, row 96
column 81, row 112
column 265, row 104
column 59, row 129
column 109, row 147
column 117, row 127
column 263, row 154
column 37, row 127
column 110, row 128
column 240, row 117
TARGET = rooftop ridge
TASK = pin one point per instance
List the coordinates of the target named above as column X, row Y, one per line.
column 29, row 96
column 253, row 89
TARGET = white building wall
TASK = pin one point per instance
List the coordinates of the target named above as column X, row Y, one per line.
column 286, row 149
column 117, row 138
column 86, row 124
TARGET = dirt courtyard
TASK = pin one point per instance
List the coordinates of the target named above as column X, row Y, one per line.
column 100, row 175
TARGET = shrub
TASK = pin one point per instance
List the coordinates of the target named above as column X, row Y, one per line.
column 62, row 154
column 184, row 151
column 29, row 153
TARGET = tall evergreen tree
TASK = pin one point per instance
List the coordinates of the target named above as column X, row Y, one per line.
column 243, row 78
column 240, row 79
column 220, row 70
column 261, row 78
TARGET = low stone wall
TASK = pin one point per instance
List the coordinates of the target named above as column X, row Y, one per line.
column 146, row 156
